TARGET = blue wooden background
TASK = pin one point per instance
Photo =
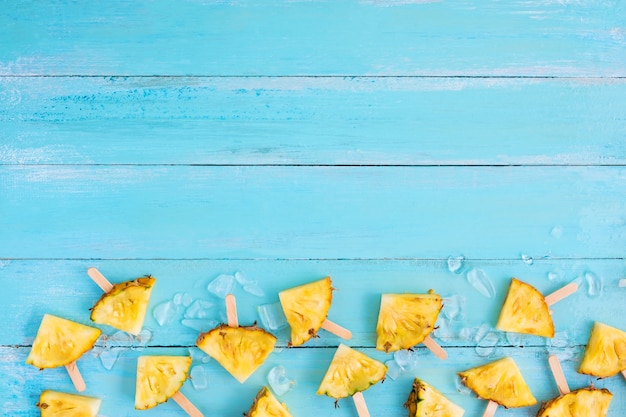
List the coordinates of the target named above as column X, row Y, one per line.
column 368, row 140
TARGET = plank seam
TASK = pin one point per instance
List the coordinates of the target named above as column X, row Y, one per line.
column 332, row 76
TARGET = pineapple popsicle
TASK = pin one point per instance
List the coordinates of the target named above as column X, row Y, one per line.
column 500, row 382
column 426, row 401
column 240, row 350
column 589, row 402
column 54, row 404
column 405, row 320
column 124, row 305
column 265, row 404
column 526, row 310
column 350, row 372
column 605, row 354
column 61, row 342
column 306, row 308
column 160, row 378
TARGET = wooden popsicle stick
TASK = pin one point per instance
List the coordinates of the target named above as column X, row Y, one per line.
column 336, row 329
column 434, row 347
column 99, row 279
column 186, row 405
column 76, row 377
column 359, row 403
column 490, row 411
column 624, row 373
column 231, row 311
column 557, row 373
column 561, row 293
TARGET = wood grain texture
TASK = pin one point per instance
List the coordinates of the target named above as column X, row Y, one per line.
column 311, row 212
column 374, row 121
column 225, row 396
column 551, row 38
column 365, row 140
column 355, row 302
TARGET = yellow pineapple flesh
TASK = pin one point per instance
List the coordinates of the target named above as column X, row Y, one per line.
column 266, row 405
column 350, row 371
column 125, row 306
column 605, row 354
column 425, row 401
column 60, row 342
column 525, row 311
column 240, row 350
column 306, row 308
column 404, row 320
column 159, row 378
column 60, row 404
column 584, row 402
column 499, row 381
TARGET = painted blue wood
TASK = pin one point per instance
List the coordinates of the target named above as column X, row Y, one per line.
column 391, row 121
column 314, row 38
column 226, row 397
column 311, row 212
column 458, row 100
column 355, row 302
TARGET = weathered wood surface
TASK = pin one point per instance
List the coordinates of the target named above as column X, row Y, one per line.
column 388, row 37
column 368, row 141
column 311, row 120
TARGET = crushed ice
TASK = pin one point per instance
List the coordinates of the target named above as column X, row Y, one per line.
column 272, row 316
column 278, row 380
column 455, row 264
column 222, row 285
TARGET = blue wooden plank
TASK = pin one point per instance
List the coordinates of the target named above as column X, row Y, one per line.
column 225, row 396
column 313, row 38
column 377, row 121
column 311, row 212
column 63, row 288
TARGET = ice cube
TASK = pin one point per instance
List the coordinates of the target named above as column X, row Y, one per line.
column 393, row 369
column 278, row 380
column 222, row 285
column 143, row 338
column 199, row 309
column 453, row 307
column 109, row 356
column 198, row 356
column 455, row 264
column 487, row 344
column 528, row 260
column 164, row 313
column 201, row 325
column 481, row 282
column 198, row 377
column 622, row 283
column 594, row 284
column 272, row 316
column 254, row 289
column 406, row 359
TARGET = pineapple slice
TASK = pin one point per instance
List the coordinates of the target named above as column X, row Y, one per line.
column 425, row 401
column 60, row 342
column 266, row 405
column 60, row 404
column 584, row 402
column 306, row 308
column 499, row 381
column 159, row 378
column 404, row 320
column 525, row 311
column 241, row 350
column 605, row 355
column 125, row 306
column 349, row 372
